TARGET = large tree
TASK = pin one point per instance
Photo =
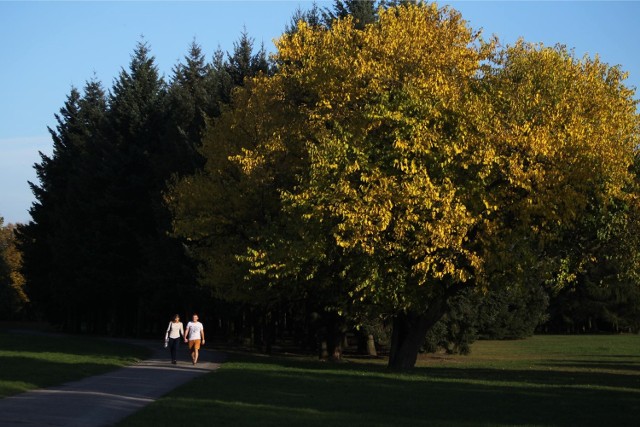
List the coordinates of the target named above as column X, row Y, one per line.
column 328, row 126
column 400, row 162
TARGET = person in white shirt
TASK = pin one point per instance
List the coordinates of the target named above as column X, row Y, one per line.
column 194, row 335
column 174, row 332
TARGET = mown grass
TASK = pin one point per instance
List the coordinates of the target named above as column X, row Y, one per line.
column 542, row 381
column 29, row 361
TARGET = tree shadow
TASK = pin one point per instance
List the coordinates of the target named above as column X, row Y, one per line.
column 274, row 392
column 20, row 373
column 72, row 345
column 608, row 365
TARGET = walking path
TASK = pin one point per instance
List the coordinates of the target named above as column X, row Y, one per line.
column 103, row 400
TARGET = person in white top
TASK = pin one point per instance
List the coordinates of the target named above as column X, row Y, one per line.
column 195, row 336
column 172, row 338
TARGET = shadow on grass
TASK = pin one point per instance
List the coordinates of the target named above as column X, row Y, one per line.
column 609, row 365
column 36, row 361
column 206, row 355
column 276, row 392
column 555, row 377
column 19, row 374
column 69, row 344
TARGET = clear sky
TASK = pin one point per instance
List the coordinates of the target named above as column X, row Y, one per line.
column 48, row 46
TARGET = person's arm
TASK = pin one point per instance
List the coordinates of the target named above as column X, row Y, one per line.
column 182, row 331
column 185, row 333
column 166, row 335
column 202, row 334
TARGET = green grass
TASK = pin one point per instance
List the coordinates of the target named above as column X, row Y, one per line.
column 29, row 361
column 545, row 381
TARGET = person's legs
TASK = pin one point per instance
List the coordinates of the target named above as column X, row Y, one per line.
column 194, row 346
column 173, row 345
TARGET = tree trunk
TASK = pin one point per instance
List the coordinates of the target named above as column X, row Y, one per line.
column 409, row 331
column 371, row 346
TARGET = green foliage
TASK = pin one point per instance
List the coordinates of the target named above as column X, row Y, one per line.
column 597, row 287
column 512, row 312
column 215, row 213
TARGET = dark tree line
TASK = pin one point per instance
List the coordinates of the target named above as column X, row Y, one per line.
column 98, row 252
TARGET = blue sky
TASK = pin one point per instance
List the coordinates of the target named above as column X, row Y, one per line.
column 48, row 46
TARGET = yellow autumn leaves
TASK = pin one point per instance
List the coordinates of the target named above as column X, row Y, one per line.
column 388, row 106
column 415, row 144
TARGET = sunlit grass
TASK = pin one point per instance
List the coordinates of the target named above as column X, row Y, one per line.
column 545, row 380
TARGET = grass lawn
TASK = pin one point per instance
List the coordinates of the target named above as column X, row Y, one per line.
column 542, row 381
column 29, row 361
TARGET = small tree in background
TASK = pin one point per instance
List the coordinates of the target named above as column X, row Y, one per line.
column 12, row 293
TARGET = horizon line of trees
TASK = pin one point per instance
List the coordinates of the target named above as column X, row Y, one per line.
column 386, row 174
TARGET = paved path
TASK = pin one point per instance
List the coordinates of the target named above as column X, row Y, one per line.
column 103, row 400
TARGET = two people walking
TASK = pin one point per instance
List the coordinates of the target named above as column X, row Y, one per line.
column 193, row 335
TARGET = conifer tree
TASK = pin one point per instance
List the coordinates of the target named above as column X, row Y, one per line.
column 243, row 62
column 139, row 163
column 52, row 258
column 192, row 97
column 313, row 17
column 363, row 12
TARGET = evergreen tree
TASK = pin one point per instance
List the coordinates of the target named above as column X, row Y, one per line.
column 313, row 17
column 192, row 97
column 243, row 62
column 221, row 79
column 140, row 161
column 364, row 12
column 52, row 241
column 73, row 257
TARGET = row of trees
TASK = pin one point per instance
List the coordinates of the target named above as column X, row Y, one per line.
column 387, row 166
column 97, row 253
